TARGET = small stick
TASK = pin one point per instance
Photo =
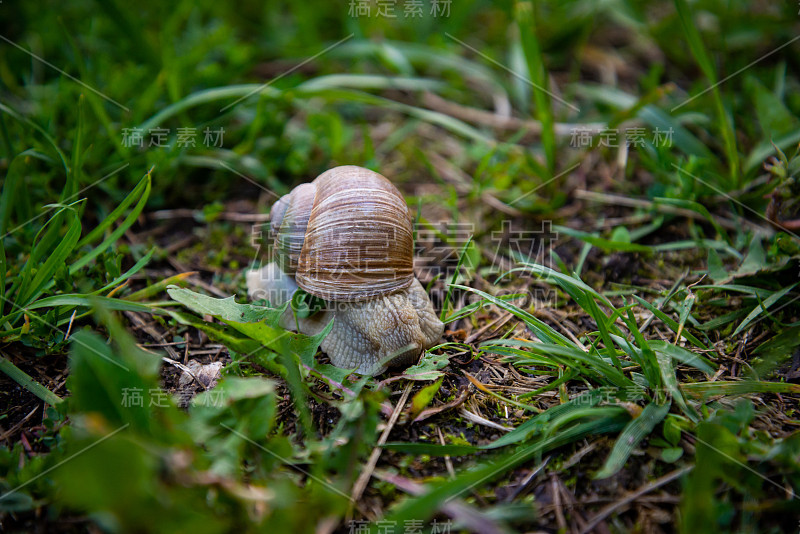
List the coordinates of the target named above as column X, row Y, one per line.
column 366, row 474
column 619, row 200
column 613, row 507
column 447, row 461
column 559, row 510
column 190, row 214
column 69, row 328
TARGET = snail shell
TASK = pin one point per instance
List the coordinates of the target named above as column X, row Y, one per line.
column 347, row 236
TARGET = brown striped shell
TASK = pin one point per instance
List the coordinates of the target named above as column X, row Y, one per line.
column 347, row 236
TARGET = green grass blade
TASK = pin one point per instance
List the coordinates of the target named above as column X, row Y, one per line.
column 453, row 280
column 670, row 322
column 370, row 81
column 670, row 382
column 537, row 424
column 630, row 437
column 206, row 96
column 602, row 243
column 3, row 270
column 425, row 56
column 722, row 320
column 41, row 131
column 704, row 60
column 683, row 356
column 87, row 301
column 702, row 390
column 541, row 329
column 10, row 186
column 524, row 14
column 646, row 356
column 763, row 307
column 55, row 260
column 74, row 174
column 138, row 266
column 569, row 356
column 562, row 280
column 470, row 309
column 138, row 45
column 118, row 231
column 696, row 207
column 424, row 506
column 99, row 230
column 601, row 319
column 23, row 379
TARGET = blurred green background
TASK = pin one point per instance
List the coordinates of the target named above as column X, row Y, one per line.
column 448, row 105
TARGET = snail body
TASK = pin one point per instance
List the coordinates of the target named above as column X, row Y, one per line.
column 347, row 238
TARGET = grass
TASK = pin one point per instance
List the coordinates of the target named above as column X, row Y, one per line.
column 621, row 348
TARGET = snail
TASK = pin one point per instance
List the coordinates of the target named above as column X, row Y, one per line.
column 347, row 239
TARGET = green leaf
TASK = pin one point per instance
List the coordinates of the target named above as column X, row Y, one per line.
column 11, row 189
column 681, row 136
column 41, row 131
column 232, row 423
column 621, row 235
column 766, row 148
column 14, row 502
column 305, row 304
column 645, row 355
column 722, row 320
column 259, row 324
column 235, row 341
column 782, row 343
column 116, row 383
column 672, row 454
column 226, row 309
column 672, row 430
column 237, row 388
column 754, row 261
column 74, row 174
column 718, row 455
column 602, row 321
column 138, row 266
column 428, row 366
column 633, row 433
column 670, row 381
column 423, row 398
column 716, row 271
column 773, row 116
column 3, row 270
